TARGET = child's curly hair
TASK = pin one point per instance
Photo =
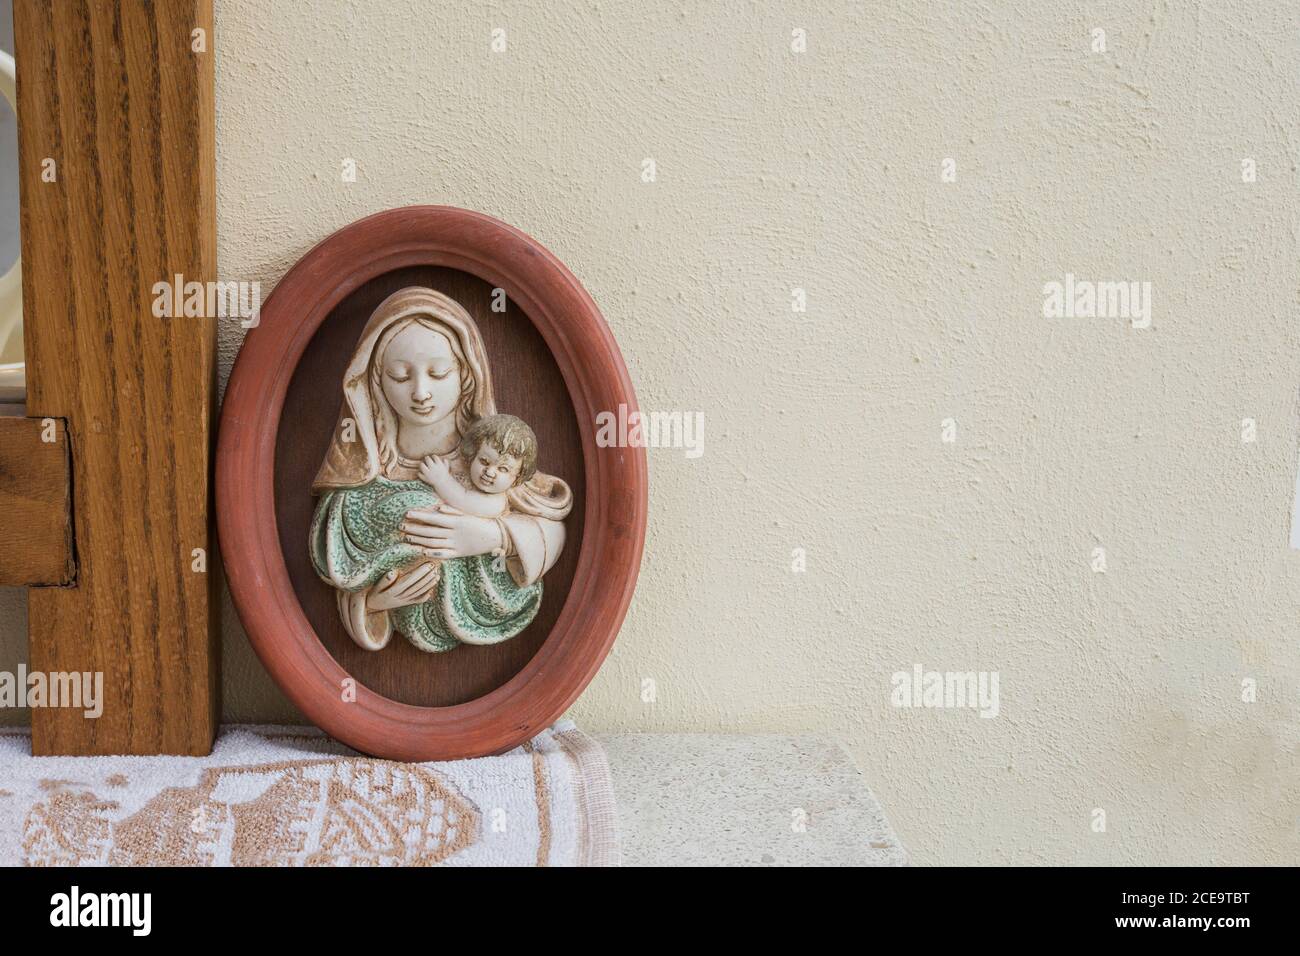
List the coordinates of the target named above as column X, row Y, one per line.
column 509, row 436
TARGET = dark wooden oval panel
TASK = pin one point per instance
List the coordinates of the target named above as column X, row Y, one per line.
column 526, row 382
column 554, row 362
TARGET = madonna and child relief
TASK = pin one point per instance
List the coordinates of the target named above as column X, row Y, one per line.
column 433, row 520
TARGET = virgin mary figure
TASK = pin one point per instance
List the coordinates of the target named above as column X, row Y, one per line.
column 399, row 558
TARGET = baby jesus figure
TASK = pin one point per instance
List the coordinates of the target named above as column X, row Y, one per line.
column 500, row 452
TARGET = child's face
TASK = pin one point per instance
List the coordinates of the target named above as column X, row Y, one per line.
column 492, row 472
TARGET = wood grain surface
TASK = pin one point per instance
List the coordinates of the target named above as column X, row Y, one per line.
column 35, row 504
column 526, row 383
column 114, row 94
column 329, row 291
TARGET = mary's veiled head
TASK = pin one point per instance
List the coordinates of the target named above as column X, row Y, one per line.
column 419, row 359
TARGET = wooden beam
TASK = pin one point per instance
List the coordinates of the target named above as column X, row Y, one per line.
column 36, row 533
column 116, row 160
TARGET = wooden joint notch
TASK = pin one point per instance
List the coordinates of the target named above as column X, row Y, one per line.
column 36, row 546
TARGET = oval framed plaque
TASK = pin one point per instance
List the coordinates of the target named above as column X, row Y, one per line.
column 459, row 686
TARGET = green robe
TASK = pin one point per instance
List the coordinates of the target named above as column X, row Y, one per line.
column 356, row 539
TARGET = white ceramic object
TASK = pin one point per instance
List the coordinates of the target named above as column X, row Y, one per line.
column 13, row 378
column 433, row 521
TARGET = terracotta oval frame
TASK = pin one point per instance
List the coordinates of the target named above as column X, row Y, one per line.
column 616, row 505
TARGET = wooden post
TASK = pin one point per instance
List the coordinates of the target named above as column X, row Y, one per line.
column 116, row 159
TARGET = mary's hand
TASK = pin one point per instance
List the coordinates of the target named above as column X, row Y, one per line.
column 395, row 590
column 447, row 535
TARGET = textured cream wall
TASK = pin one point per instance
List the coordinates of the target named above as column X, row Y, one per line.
column 821, row 170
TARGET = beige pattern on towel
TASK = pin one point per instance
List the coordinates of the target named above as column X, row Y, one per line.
column 546, row 803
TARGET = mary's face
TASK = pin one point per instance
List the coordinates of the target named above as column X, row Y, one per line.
column 420, row 375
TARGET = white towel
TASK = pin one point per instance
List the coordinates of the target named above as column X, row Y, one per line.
column 291, row 796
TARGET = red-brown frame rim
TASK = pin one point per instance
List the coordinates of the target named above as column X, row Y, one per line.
column 609, row 559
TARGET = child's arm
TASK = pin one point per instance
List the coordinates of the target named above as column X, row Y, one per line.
column 435, row 473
